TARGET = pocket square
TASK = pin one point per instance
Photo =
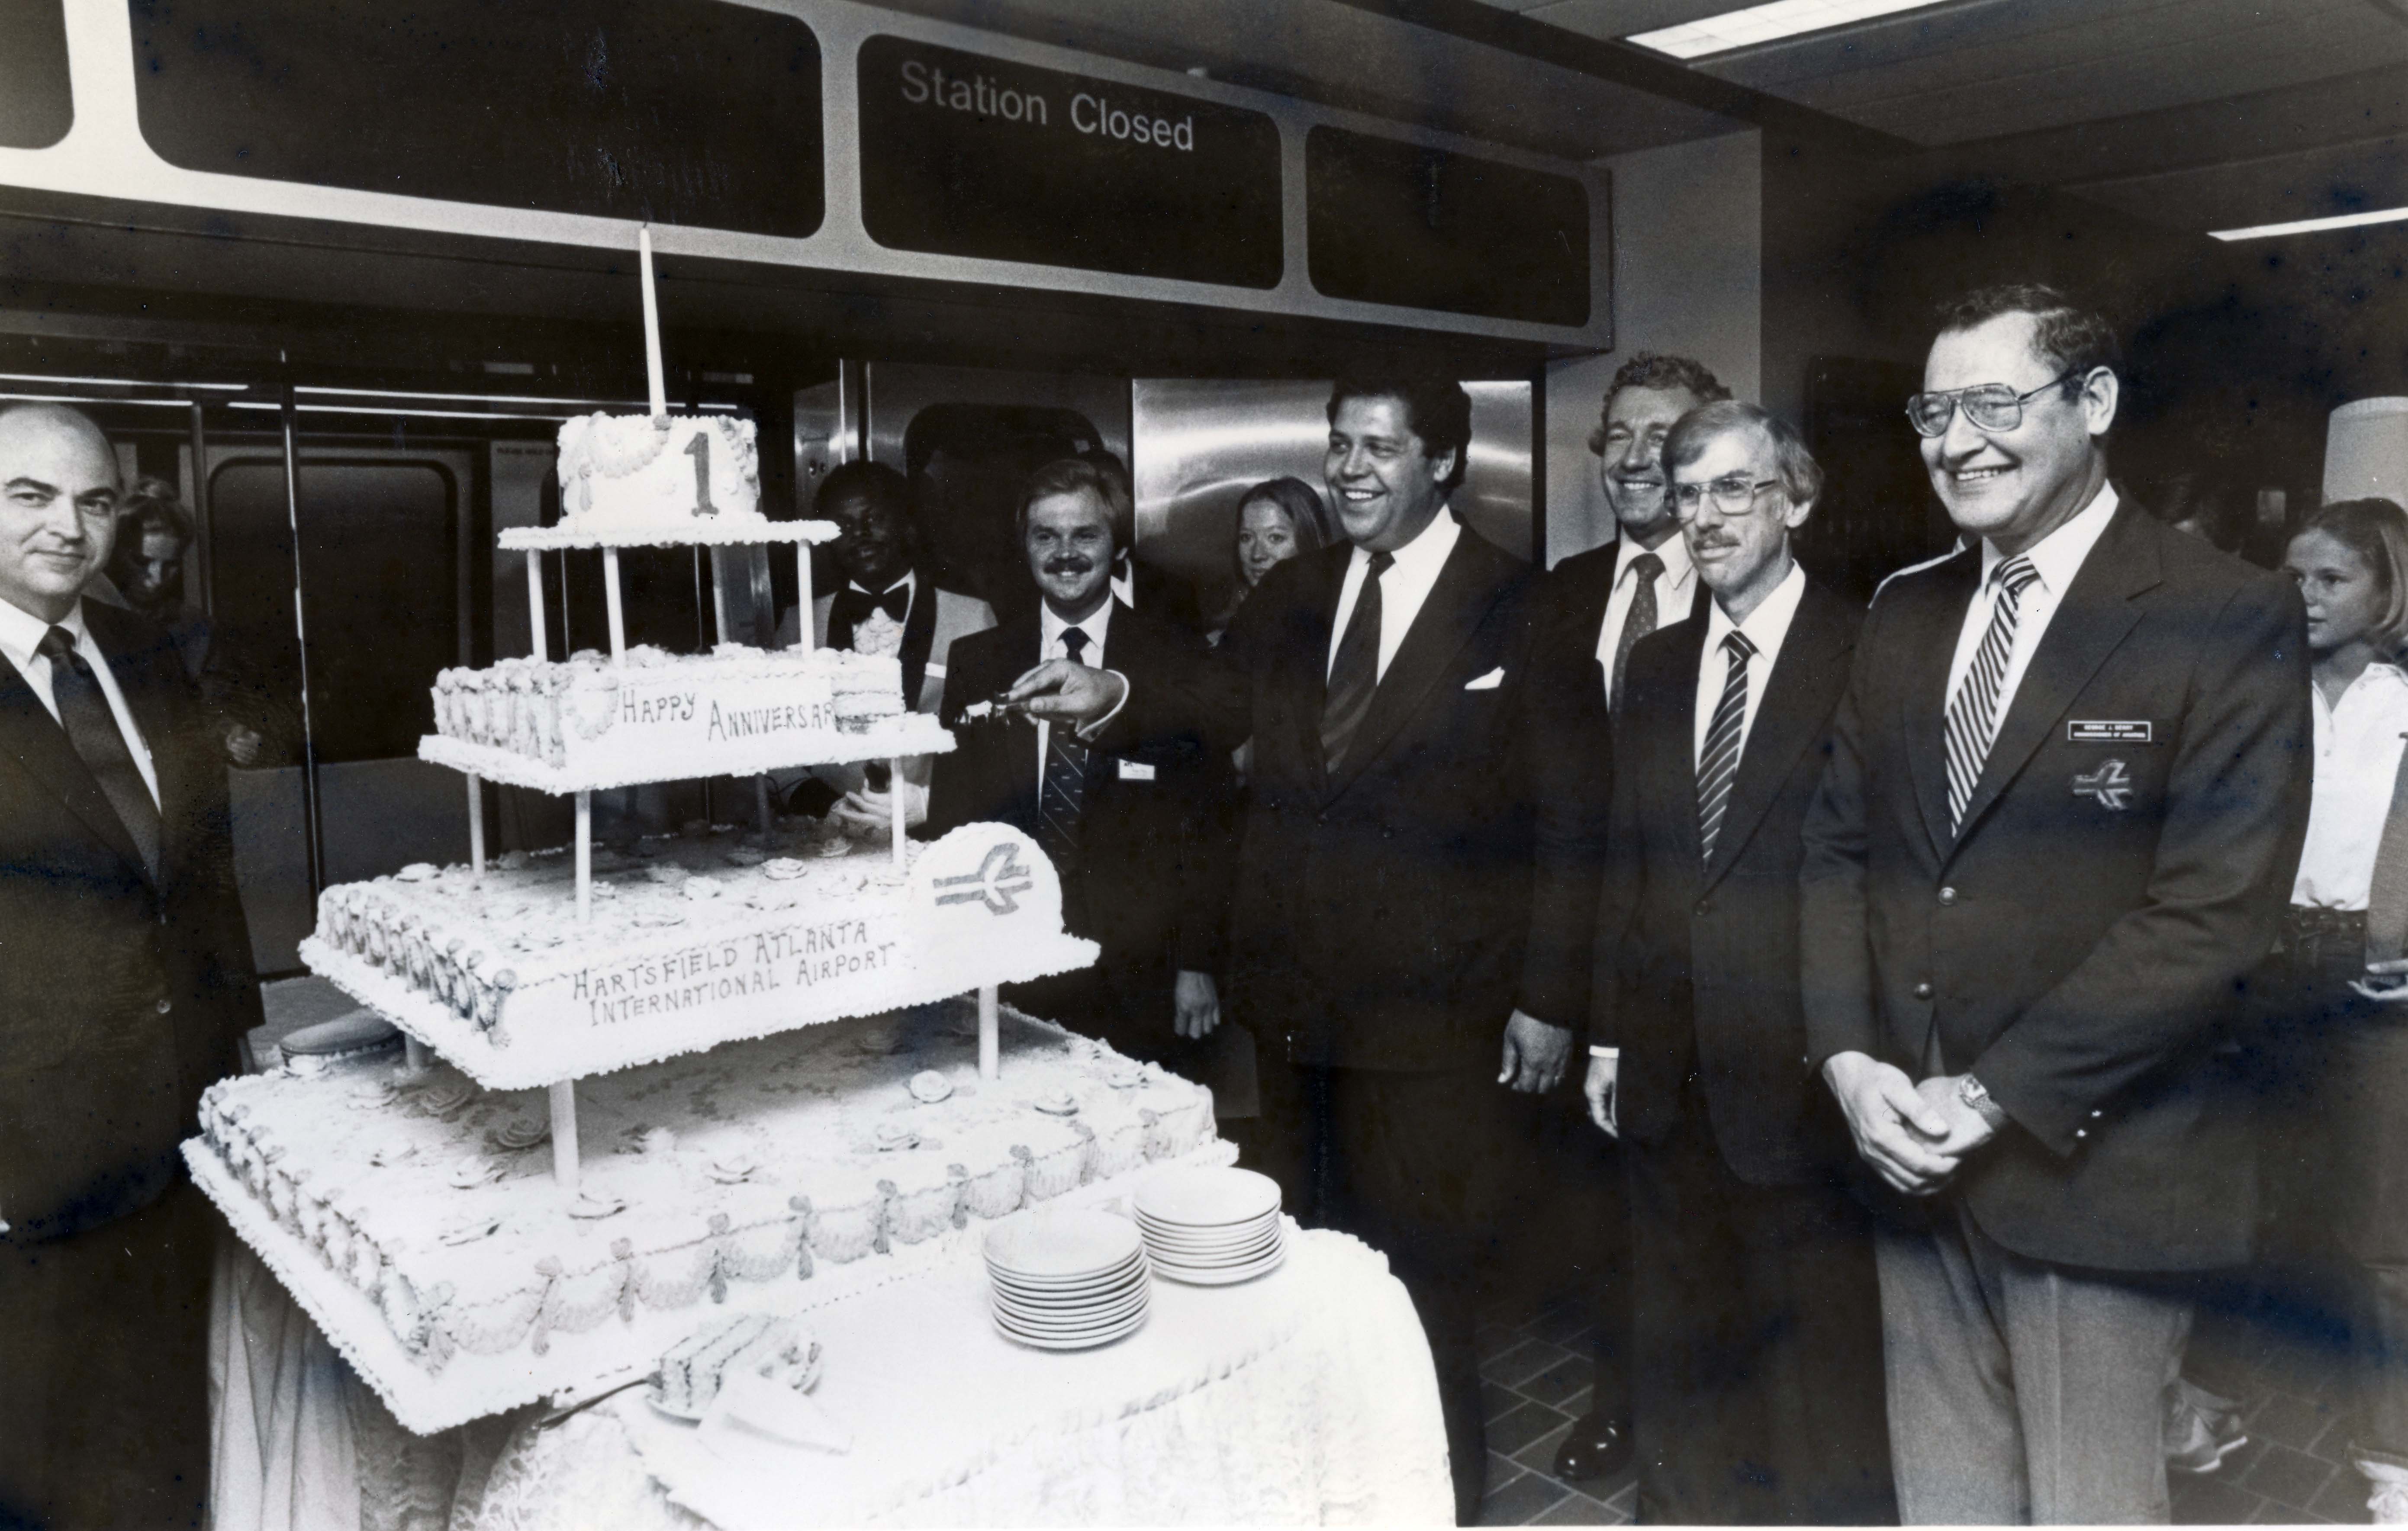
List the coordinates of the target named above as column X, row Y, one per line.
column 1490, row 682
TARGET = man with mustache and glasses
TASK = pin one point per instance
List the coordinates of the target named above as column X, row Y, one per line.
column 1420, row 860
column 1757, row 1379
column 2068, row 781
column 1139, row 835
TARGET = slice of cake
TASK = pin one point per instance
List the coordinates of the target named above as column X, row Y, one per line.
column 695, row 1368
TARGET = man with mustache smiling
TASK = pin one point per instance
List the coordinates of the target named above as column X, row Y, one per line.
column 1138, row 834
column 2067, row 783
column 1756, row 1333
column 1421, row 856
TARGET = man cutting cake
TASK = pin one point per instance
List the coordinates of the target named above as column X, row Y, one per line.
column 124, row 979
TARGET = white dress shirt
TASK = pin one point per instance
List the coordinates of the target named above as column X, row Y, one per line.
column 1402, row 589
column 1766, row 627
column 1675, row 590
column 1049, row 629
column 21, row 634
column 2359, row 744
column 2056, row 558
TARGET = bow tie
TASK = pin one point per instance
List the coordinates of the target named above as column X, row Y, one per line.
column 855, row 605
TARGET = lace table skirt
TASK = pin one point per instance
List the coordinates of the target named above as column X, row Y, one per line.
column 1307, row 1397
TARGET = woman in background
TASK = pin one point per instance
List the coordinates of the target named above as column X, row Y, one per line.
column 2340, row 1154
column 1277, row 520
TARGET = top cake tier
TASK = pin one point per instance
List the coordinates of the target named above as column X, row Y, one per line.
column 660, row 481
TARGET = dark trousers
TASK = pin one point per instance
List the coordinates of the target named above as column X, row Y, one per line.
column 104, row 1372
column 2368, row 1104
column 1587, row 1233
column 1757, row 1385
column 1426, row 1168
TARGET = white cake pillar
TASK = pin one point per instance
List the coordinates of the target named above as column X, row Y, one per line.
column 719, row 592
column 617, row 613
column 990, row 1035
column 584, row 857
column 761, row 802
column 804, row 602
column 895, row 802
column 534, row 604
column 563, row 1135
column 414, row 1056
column 475, row 824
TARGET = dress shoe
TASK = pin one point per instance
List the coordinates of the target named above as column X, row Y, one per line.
column 1598, row 1447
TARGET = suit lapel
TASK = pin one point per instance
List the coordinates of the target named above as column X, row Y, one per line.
column 1465, row 588
column 2089, row 623
column 1790, row 716
column 1679, row 721
column 1930, row 642
column 33, row 739
column 1311, row 624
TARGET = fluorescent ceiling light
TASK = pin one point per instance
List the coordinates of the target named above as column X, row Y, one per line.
column 117, row 383
column 2314, row 225
column 74, row 398
column 638, row 405
column 1765, row 23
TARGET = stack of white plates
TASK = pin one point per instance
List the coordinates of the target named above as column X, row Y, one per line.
column 1211, row 1228
column 1064, row 1280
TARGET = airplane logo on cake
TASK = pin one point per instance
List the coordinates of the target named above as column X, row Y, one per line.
column 997, row 883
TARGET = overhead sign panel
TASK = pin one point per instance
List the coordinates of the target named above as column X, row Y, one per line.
column 967, row 155
column 1405, row 223
column 36, row 106
column 676, row 111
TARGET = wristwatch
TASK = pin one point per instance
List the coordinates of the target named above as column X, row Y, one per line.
column 1978, row 1101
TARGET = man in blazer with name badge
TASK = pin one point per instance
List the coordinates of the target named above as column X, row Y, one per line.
column 1138, row 836
column 126, row 982
column 2067, row 784
column 1757, row 1381
column 1419, row 865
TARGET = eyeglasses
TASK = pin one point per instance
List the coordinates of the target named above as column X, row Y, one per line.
column 1991, row 407
column 1732, row 497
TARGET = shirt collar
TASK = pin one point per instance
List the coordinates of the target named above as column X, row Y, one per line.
column 1769, row 623
column 1049, row 628
column 1422, row 558
column 1677, row 566
column 911, row 581
column 20, row 631
column 2057, row 557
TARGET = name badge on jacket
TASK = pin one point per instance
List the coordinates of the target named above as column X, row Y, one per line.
column 1136, row 770
column 2110, row 731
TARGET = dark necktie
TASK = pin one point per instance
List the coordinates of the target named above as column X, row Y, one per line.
column 852, row 607
column 1718, row 761
column 1636, row 623
column 1355, row 673
column 1972, row 720
column 1062, row 793
column 91, row 728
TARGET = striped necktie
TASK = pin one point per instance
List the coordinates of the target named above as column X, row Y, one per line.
column 1718, row 761
column 1973, row 712
column 1062, row 794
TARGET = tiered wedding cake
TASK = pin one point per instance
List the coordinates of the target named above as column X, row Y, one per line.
column 404, row 1203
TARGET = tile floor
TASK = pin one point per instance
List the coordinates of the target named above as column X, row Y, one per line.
column 2293, row 1470
column 1537, row 1377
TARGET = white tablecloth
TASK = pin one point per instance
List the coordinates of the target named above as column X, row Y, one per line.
column 1305, row 1396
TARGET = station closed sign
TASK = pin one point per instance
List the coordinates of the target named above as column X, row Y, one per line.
column 962, row 155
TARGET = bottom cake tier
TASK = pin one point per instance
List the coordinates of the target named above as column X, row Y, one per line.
column 414, row 1216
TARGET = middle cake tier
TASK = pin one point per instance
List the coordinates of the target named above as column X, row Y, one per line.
column 695, row 939
column 589, row 722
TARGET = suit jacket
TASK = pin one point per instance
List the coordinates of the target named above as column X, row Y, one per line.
column 1392, row 915
column 2076, row 946
column 119, row 999
column 1152, row 878
column 1696, row 964
column 1580, row 586
column 930, row 629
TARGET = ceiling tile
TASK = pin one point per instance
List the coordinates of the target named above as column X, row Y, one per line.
column 2279, row 189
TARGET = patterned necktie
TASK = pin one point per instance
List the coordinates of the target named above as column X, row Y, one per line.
column 1062, row 794
column 91, row 728
column 1636, row 623
column 1355, row 673
column 1973, row 712
column 1718, row 761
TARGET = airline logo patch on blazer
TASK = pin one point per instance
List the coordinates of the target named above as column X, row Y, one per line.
column 2107, row 731
column 2110, row 784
